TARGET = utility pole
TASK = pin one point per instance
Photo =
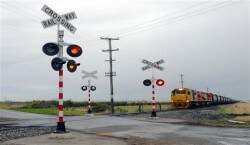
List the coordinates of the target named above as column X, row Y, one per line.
column 110, row 73
column 207, row 90
column 182, row 80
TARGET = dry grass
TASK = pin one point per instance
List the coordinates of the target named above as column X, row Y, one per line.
column 243, row 118
column 237, row 108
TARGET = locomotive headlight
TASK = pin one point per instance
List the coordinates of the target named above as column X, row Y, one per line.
column 187, row 100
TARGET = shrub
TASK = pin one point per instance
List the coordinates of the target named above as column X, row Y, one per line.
column 68, row 103
column 100, row 107
column 121, row 110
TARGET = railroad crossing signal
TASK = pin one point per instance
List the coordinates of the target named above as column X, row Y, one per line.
column 56, row 48
column 89, row 87
column 53, row 48
column 149, row 82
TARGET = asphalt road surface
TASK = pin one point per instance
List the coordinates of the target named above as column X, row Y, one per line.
column 126, row 128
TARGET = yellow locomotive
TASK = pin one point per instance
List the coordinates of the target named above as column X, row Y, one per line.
column 187, row 98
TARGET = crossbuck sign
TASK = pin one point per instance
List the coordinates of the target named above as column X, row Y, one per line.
column 152, row 65
column 89, row 74
column 58, row 19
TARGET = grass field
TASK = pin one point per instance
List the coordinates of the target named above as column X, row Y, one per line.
column 78, row 111
column 237, row 109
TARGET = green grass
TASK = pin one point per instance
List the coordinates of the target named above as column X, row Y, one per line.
column 54, row 111
column 76, row 111
column 3, row 106
column 48, row 111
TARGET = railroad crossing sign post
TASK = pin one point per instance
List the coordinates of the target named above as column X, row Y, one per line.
column 147, row 82
column 89, row 87
column 73, row 50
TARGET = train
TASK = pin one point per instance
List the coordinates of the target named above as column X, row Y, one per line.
column 188, row 98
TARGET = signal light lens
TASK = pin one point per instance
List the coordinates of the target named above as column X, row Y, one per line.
column 147, row 82
column 92, row 88
column 74, row 50
column 84, row 88
column 160, row 82
column 50, row 49
column 72, row 65
column 57, row 63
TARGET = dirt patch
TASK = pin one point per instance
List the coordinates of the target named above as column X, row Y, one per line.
column 144, row 141
column 7, row 119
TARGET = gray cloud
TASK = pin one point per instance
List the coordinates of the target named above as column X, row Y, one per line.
column 211, row 49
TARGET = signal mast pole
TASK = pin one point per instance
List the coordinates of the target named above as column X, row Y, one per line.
column 182, row 82
column 110, row 73
column 60, row 123
column 153, row 113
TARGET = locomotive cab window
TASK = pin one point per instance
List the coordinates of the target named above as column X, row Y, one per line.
column 188, row 92
column 180, row 92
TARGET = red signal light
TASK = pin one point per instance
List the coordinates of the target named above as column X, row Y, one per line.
column 72, row 65
column 74, row 50
column 160, row 82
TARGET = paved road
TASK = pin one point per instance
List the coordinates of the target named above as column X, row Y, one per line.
column 124, row 127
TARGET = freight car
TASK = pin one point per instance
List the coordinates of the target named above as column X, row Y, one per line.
column 188, row 98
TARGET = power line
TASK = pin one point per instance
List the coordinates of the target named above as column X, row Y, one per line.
column 173, row 19
column 164, row 21
column 177, row 20
column 162, row 17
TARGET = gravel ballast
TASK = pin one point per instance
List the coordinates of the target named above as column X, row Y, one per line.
column 15, row 132
column 195, row 115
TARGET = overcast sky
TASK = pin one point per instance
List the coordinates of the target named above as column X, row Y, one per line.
column 207, row 41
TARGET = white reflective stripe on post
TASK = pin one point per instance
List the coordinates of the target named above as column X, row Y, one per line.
column 60, row 78
column 60, row 102
column 60, row 90
column 60, row 113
